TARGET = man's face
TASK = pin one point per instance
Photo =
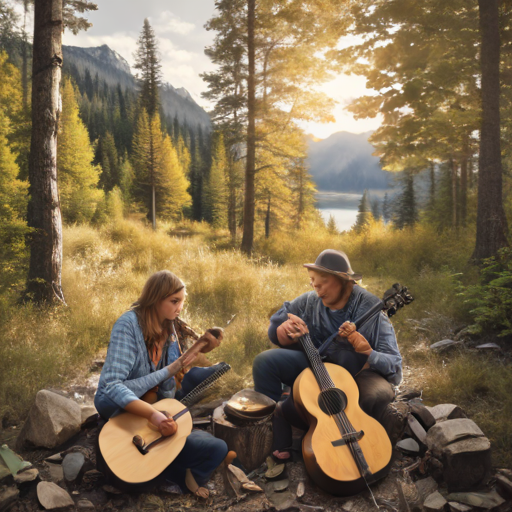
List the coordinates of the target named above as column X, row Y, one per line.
column 328, row 287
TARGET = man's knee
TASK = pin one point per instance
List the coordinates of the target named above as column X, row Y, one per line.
column 262, row 363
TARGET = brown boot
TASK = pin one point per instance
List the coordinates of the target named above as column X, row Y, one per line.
column 394, row 420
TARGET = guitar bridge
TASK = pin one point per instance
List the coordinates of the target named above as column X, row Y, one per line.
column 351, row 437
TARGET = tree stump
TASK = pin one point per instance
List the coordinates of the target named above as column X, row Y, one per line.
column 251, row 440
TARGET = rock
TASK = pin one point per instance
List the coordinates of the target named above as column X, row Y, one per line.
column 54, row 459
column 417, row 431
column 408, row 446
column 88, row 413
column 445, row 346
column 52, row 496
column 505, row 472
column 458, row 507
column 92, row 476
column 111, row 489
column 52, row 420
column 56, row 472
column 423, row 415
column 488, row 347
column 300, row 490
column 12, row 460
column 72, row 466
column 434, row 502
column 443, row 412
column 504, row 485
column 466, row 464
column 29, row 475
column 8, row 495
column 485, row 500
column 449, row 431
column 85, row 505
column 426, row 486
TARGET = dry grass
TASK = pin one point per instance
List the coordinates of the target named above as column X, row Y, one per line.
column 105, row 268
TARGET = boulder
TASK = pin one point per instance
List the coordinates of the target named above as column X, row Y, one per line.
column 52, row 420
column 466, row 463
column 443, row 412
column 24, row 477
column 52, row 496
column 87, row 412
column 8, row 495
column 435, row 503
column 445, row 346
column 423, row 415
column 72, row 466
column 486, row 500
column 449, row 431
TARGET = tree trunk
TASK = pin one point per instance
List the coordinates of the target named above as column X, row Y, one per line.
column 432, row 191
column 464, row 181
column 232, row 203
column 491, row 224
column 455, row 202
column 248, row 236
column 24, row 57
column 44, row 216
column 267, row 218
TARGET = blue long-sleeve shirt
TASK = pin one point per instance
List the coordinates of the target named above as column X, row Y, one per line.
column 128, row 372
column 323, row 324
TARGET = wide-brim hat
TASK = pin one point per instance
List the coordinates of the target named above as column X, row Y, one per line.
column 336, row 263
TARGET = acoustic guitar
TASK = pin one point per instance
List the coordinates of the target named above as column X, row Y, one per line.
column 345, row 450
column 135, row 452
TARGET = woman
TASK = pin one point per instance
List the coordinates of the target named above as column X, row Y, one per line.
column 142, row 359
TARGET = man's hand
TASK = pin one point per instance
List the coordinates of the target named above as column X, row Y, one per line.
column 296, row 326
column 166, row 426
column 357, row 340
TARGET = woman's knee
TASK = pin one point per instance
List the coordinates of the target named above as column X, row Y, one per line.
column 262, row 363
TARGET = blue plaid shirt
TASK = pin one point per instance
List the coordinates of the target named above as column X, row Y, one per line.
column 128, row 372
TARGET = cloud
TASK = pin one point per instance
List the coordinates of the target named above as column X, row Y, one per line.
column 169, row 23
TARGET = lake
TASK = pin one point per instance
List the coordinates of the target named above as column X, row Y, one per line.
column 343, row 207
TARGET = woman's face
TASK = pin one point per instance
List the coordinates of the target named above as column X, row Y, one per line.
column 170, row 307
column 327, row 286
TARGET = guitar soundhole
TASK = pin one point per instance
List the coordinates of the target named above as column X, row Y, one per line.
column 332, row 401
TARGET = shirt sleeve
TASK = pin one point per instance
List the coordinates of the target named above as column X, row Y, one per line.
column 119, row 363
column 296, row 307
column 385, row 358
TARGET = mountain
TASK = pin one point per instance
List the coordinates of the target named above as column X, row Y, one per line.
column 115, row 70
column 344, row 163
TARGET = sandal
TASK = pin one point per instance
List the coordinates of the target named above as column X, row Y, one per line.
column 193, row 486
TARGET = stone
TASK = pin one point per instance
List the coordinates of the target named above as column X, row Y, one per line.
column 8, row 495
column 408, row 446
column 445, row 346
column 24, row 477
column 52, row 496
column 110, row 489
column 443, row 412
column 488, row 347
column 56, row 472
column 458, row 507
column 52, row 420
column 449, row 431
column 426, row 486
column 486, row 500
column 54, row 459
column 466, row 464
column 85, row 505
column 72, row 466
column 434, row 502
column 504, row 485
column 417, row 431
column 423, row 415
column 87, row 412
column 92, row 476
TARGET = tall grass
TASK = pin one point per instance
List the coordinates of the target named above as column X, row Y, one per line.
column 106, row 267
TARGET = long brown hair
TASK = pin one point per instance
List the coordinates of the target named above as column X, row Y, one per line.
column 158, row 286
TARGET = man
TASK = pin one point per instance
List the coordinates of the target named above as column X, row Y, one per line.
column 370, row 355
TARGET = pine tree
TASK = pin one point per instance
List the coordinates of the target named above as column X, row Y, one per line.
column 364, row 215
column 78, row 177
column 106, row 156
column 215, row 193
column 148, row 64
column 386, row 209
column 375, row 208
column 332, row 228
column 407, row 214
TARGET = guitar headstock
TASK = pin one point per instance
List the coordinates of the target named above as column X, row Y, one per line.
column 396, row 298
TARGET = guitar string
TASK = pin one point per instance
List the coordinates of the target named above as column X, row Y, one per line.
column 340, row 418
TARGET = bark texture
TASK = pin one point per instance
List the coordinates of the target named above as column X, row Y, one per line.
column 44, row 215
column 491, row 226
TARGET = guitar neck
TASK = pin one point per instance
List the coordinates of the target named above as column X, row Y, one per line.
column 195, row 395
column 317, row 366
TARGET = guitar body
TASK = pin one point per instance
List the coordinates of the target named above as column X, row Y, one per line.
column 123, row 457
column 333, row 467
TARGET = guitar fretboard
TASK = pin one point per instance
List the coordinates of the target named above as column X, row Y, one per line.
column 195, row 395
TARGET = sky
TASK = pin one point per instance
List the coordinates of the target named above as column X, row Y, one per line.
column 179, row 27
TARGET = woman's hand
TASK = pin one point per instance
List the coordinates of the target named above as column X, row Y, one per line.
column 296, row 327
column 209, row 341
column 166, row 426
